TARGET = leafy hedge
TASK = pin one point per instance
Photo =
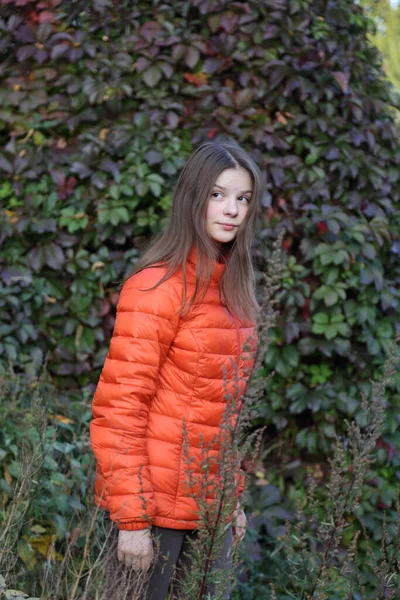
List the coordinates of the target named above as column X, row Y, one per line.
column 52, row 450
column 101, row 103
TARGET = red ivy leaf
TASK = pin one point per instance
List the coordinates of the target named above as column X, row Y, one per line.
column 198, row 79
column 322, row 228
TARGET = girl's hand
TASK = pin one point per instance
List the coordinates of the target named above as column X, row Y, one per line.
column 239, row 522
column 135, row 549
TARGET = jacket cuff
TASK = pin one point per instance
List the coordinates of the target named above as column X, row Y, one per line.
column 134, row 525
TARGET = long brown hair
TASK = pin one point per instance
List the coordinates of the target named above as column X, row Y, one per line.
column 186, row 228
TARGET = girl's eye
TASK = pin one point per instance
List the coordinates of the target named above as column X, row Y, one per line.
column 240, row 197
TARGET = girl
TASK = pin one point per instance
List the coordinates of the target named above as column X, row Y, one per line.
column 182, row 321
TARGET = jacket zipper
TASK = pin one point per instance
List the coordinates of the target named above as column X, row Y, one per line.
column 238, row 353
column 237, row 338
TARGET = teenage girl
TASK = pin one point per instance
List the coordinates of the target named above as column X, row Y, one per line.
column 183, row 320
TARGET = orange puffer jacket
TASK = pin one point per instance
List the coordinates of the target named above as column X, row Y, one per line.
column 162, row 370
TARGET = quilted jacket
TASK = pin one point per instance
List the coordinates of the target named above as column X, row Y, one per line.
column 163, row 369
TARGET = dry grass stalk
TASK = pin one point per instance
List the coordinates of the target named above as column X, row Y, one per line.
column 236, row 442
column 313, row 548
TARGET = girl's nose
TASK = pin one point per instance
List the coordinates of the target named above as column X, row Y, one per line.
column 231, row 207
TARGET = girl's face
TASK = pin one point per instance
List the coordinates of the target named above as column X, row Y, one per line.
column 228, row 204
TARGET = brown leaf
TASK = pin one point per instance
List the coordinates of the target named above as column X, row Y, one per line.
column 342, row 79
column 280, row 118
column 103, row 133
column 7, row 476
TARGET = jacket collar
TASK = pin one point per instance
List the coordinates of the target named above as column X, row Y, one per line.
column 218, row 267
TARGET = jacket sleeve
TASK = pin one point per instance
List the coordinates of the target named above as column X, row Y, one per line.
column 145, row 326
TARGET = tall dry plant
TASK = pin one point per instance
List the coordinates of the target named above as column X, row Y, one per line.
column 312, row 551
column 236, row 441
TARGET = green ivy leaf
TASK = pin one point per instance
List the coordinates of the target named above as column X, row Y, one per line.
column 152, row 76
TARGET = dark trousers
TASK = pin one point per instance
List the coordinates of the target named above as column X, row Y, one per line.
column 172, row 558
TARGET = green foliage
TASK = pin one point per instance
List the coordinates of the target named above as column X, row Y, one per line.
column 321, row 553
column 51, row 503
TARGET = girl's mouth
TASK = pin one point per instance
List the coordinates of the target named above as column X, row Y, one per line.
column 227, row 227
